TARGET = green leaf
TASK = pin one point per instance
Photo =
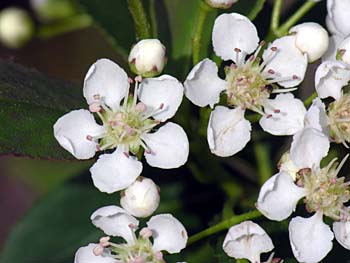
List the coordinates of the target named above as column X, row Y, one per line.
column 56, row 227
column 115, row 20
column 30, row 103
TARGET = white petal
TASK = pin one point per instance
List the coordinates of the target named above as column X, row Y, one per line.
column 168, row 233
column 228, row 131
column 338, row 11
column 115, row 171
column 308, row 148
column 310, row 238
column 286, row 62
column 86, row 255
column 169, row 146
column 334, row 42
column 165, row 90
column 203, row 86
column 330, row 78
column 344, row 46
column 341, row 231
column 290, row 116
column 234, row 31
column 247, row 240
column 279, row 196
column 316, row 116
column 115, row 221
column 106, row 79
column 72, row 129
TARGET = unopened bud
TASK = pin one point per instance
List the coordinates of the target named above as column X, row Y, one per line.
column 223, row 4
column 311, row 38
column 16, row 27
column 147, row 58
column 141, row 198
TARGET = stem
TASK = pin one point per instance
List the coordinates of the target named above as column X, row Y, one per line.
column 204, row 10
column 262, row 155
column 309, row 100
column 256, row 9
column 67, row 25
column 306, row 7
column 153, row 18
column 142, row 26
column 223, row 225
column 276, row 14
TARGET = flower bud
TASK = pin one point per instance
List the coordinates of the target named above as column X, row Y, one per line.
column 223, row 4
column 312, row 39
column 51, row 10
column 343, row 52
column 16, row 27
column 147, row 58
column 141, row 198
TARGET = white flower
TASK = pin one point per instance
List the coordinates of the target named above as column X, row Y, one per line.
column 16, row 27
column 141, row 198
column 247, row 240
column 246, row 85
column 147, row 58
column 341, row 229
column 224, row 4
column 126, row 126
column 323, row 192
column 311, row 38
column 167, row 232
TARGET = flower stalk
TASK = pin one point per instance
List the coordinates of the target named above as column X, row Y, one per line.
column 142, row 25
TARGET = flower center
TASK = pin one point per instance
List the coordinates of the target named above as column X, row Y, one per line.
column 339, row 116
column 325, row 192
column 126, row 125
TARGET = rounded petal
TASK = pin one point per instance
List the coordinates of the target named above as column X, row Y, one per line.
column 311, row 38
column 141, row 198
column 169, row 146
column 86, row 255
column 284, row 115
column 234, row 31
column 279, row 196
column 310, row 238
column 72, row 131
column 316, row 116
column 106, row 80
column 228, row 131
column 168, row 233
column 330, row 78
column 288, row 62
column 338, row 11
column 165, row 90
column 308, row 148
column 115, row 171
column 203, row 86
column 341, row 231
column 247, row 240
column 115, row 221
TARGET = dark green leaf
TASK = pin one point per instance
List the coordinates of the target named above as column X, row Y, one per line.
column 30, row 103
column 114, row 18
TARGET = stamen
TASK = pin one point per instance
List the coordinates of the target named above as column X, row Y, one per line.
column 127, row 155
column 89, row 137
column 94, row 107
column 98, row 250
column 283, row 90
column 276, row 110
column 146, row 233
column 130, row 80
column 341, row 164
column 96, row 97
column 271, row 71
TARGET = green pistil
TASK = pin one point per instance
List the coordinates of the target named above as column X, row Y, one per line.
column 339, row 119
column 326, row 192
column 247, row 87
column 125, row 127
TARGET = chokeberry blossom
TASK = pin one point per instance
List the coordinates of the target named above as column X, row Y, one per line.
column 163, row 233
column 247, row 240
column 125, row 125
column 323, row 192
column 248, row 82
